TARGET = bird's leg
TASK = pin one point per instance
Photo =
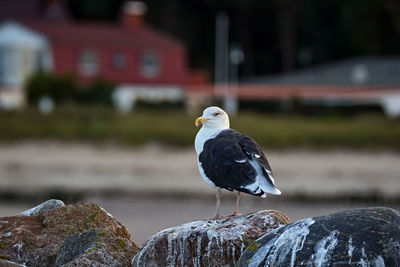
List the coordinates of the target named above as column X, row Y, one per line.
column 236, row 213
column 217, row 216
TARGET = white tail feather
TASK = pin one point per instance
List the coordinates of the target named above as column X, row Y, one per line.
column 262, row 182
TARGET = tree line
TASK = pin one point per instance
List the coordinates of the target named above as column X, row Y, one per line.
column 276, row 35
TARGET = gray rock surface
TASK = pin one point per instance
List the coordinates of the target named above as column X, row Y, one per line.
column 361, row 237
column 76, row 245
column 207, row 243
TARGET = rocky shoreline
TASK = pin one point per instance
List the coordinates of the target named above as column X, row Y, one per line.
column 84, row 234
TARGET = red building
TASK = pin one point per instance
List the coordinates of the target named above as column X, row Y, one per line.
column 129, row 53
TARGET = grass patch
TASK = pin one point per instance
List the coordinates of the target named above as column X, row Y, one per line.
column 176, row 128
column 363, row 131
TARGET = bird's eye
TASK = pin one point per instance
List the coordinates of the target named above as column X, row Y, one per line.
column 216, row 114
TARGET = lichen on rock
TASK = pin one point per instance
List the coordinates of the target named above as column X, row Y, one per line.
column 83, row 234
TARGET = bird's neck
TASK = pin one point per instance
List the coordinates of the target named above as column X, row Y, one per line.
column 203, row 135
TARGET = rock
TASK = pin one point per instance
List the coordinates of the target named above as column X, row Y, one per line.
column 45, row 206
column 361, row 237
column 207, row 243
column 83, row 234
column 76, row 245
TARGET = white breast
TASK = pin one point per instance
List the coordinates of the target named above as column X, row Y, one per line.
column 202, row 136
column 204, row 176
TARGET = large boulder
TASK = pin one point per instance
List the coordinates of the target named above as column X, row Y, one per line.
column 207, row 243
column 361, row 237
column 74, row 235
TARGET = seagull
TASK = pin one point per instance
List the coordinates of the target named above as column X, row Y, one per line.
column 230, row 160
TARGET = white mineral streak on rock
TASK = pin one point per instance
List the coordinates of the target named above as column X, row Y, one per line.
column 351, row 249
column 324, row 248
column 215, row 232
column 221, row 245
column 6, row 234
column 364, row 259
column 210, row 237
column 363, row 251
column 233, row 252
column 182, row 246
column 112, row 217
column 149, row 243
column 242, row 247
column 363, row 263
column 259, row 256
column 278, row 248
column 108, row 214
column 267, row 219
column 171, row 248
column 393, row 243
column 45, row 206
column 19, row 247
column 199, row 239
column 31, row 211
column 379, row 262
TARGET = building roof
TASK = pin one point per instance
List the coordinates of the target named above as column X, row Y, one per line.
column 103, row 34
column 33, row 9
column 11, row 9
column 355, row 71
column 14, row 35
column 35, row 14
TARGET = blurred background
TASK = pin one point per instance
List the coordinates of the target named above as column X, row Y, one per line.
column 98, row 100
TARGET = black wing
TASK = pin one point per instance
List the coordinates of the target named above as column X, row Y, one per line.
column 253, row 151
column 225, row 160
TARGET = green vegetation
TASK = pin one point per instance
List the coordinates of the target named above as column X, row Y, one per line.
column 61, row 88
column 174, row 127
column 65, row 89
column 253, row 246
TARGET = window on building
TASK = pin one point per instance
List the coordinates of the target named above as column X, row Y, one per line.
column 149, row 65
column 88, row 63
column 118, row 61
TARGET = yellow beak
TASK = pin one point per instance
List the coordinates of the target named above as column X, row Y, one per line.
column 200, row 121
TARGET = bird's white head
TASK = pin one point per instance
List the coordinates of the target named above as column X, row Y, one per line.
column 213, row 118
